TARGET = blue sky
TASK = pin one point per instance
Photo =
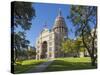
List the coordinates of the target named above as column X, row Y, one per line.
column 47, row 13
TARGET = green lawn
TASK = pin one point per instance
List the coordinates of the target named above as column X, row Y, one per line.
column 22, row 66
column 63, row 64
column 59, row 64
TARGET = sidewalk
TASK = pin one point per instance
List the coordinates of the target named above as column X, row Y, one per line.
column 40, row 67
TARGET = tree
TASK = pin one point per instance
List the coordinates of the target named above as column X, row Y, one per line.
column 67, row 46
column 31, row 53
column 78, row 46
column 84, row 19
column 21, row 15
column 72, row 46
column 19, row 43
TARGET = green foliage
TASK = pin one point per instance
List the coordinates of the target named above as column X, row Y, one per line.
column 72, row 46
column 84, row 19
column 23, row 14
column 66, row 46
column 31, row 53
column 20, row 41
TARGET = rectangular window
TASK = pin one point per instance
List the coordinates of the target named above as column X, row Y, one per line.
column 50, row 43
column 50, row 37
column 50, row 48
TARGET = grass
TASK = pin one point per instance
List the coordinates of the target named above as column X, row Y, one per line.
column 59, row 64
column 22, row 66
column 63, row 64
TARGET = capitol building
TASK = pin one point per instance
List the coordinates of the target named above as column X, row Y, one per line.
column 48, row 43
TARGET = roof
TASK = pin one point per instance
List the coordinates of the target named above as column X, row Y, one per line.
column 59, row 21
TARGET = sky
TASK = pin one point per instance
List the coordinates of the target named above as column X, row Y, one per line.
column 47, row 13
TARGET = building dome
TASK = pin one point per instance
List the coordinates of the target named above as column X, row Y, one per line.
column 59, row 22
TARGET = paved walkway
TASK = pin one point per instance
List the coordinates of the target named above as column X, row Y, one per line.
column 40, row 68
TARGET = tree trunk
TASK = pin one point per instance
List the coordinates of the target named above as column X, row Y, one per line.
column 93, row 58
column 93, row 61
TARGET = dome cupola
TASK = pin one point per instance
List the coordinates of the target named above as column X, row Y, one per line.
column 59, row 24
